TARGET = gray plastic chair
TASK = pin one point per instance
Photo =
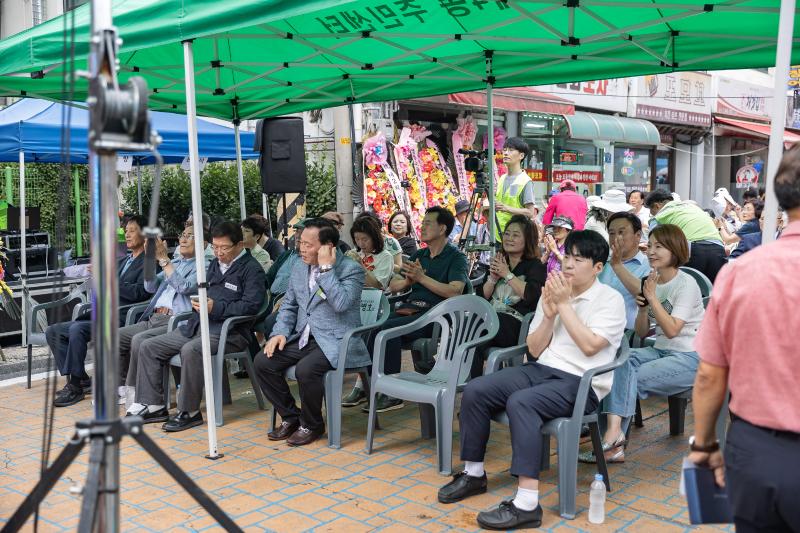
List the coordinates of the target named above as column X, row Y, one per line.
column 466, row 321
column 702, row 280
column 36, row 324
column 375, row 310
column 525, row 324
column 567, row 431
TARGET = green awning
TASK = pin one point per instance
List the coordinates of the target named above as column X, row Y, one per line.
column 258, row 58
column 597, row 127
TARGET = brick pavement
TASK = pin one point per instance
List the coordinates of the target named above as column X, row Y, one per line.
column 270, row 487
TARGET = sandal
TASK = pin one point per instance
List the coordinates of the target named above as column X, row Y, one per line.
column 614, row 452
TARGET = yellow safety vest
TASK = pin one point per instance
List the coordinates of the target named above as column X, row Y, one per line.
column 512, row 197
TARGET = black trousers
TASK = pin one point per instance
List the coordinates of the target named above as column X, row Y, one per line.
column 531, row 395
column 69, row 343
column 762, row 471
column 311, row 366
column 507, row 336
column 393, row 360
column 708, row 258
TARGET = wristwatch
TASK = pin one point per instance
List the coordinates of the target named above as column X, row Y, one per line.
column 163, row 262
column 710, row 448
column 325, row 268
column 508, row 277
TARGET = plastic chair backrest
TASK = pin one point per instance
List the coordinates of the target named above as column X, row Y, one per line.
column 370, row 305
column 462, row 319
column 702, row 280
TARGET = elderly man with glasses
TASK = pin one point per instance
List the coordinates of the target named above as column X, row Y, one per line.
column 236, row 287
column 173, row 286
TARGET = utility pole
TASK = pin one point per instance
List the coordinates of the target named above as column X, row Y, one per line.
column 343, row 156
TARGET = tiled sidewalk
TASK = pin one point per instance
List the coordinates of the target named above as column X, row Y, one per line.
column 270, row 487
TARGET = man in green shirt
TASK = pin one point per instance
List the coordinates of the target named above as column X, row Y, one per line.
column 707, row 252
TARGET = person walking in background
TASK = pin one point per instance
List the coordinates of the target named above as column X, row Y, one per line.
column 567, row 203
column 754, row 356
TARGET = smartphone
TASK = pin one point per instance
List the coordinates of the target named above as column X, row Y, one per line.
column 195, row 297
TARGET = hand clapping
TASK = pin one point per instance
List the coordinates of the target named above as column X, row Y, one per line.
column 413, row 271
column 649, row 288
column 499, row 268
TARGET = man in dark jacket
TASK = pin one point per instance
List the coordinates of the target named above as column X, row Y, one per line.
column 68, row 340
column 236, row 287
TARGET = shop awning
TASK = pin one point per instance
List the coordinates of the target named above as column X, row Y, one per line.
column 517, row 99
column 754, row 129
column 597, row 127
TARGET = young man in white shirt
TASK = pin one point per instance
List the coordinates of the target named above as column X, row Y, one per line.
column 578, row 325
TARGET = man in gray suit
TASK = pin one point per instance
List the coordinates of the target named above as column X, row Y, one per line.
column 321, row 303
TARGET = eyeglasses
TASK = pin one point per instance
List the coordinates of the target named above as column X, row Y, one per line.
column 224, row 249
column 185, row 235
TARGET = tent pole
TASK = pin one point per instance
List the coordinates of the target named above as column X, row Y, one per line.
column 23, row 249
column 490, row 148
column 783, row 52
column 76, row 187
column 9, row 186
column 197, row 220
column 139, row 185
column 265, row 212
column 242, row 208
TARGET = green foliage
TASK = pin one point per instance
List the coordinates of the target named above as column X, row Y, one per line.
column 42, row 190
column 321, row 189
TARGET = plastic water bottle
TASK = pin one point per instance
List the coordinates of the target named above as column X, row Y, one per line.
column 597, row 500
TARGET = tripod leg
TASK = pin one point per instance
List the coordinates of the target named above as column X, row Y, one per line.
column 45, row 484
column 185, row 481
column 91, row 491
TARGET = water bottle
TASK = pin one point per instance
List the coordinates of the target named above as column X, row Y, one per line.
column 597, row 500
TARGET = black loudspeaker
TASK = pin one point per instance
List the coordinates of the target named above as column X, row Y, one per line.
column 283, row 159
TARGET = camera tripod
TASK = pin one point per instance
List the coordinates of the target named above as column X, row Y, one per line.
column 101, row 436
column 467, row 242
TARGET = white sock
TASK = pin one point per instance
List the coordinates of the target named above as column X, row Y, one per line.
column 130, row 396
column 136, row 408
column 193, row 413
column 154, row 408
column 474, row 469
column 526, row 499
column 359, row 383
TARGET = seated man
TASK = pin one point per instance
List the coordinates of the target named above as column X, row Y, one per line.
column 252, row 231
column 320, row 306
column 68, row 340
column 235, row 288
column 273, row 246
column 627, row 265
column 433, row 273
column 172, row 287
column 578, row 325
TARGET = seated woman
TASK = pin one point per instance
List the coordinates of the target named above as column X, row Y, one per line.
column 514, row 284
column 555, row 235
column 370, row 252
column 672, row 299
column 750, row 214
column 401, row 229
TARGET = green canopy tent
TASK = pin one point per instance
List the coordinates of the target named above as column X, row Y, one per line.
column 259, row 58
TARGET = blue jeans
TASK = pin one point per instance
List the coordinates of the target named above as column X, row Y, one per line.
column 649, row 371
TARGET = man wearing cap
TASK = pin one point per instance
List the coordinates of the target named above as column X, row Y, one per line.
column 567, row 203
column 706, row 251
column 514, row 194
column 462, row 209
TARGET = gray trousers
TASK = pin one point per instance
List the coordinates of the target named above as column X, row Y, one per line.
column 154, row 355
column 131, row 337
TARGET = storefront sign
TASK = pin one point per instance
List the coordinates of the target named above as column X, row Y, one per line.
column 746, row 177
column 569, row 157
column 606, row 95
column 677, row 97
column 794, row 78
column 587, row 174
column 742, row 99
column 536, row 175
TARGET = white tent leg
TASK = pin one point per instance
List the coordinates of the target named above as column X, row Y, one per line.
column 783, row 53
column 242, row 208
column 197, row 218
column 490, row 148
column 23, row 249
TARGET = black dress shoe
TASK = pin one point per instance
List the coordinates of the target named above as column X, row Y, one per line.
column 507, row 516
column 462, row 486
column 183, row 421
column 162, row 415
column 240, row 374
column 69, row 395
column 304, row 436
column 284, row 431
